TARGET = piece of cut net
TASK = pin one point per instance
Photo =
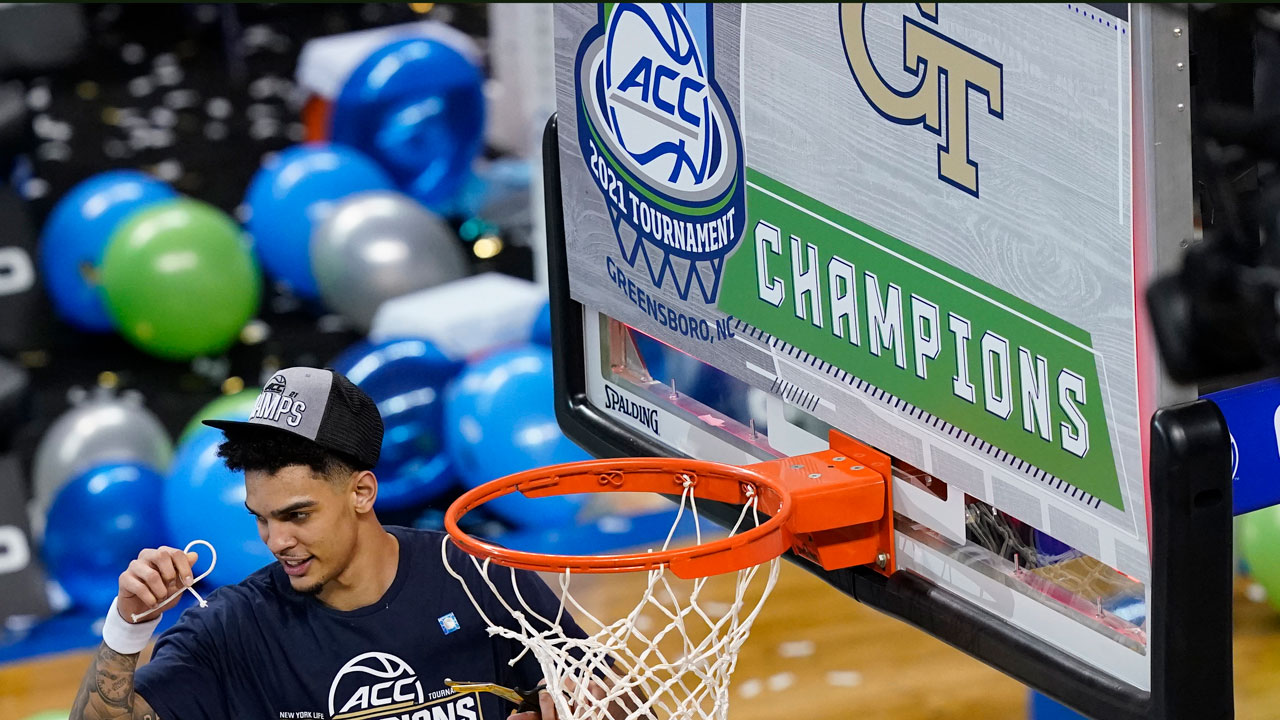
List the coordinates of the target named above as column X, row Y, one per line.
column 677, row 668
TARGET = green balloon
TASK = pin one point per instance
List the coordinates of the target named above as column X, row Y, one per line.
column 179, row 280
column 1260, row 547
column 235, row 406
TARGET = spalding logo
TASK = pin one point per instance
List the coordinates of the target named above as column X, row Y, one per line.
column 371, row 681
column 658, row 106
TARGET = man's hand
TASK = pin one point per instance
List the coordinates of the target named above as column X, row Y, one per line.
column 154, row 576
column 107, row 691
column 618, row 708
column 546, row 710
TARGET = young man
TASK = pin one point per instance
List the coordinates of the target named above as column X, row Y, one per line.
column 355, row 621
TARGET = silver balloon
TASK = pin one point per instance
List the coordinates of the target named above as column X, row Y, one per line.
column 101, row 426
column 379, row 245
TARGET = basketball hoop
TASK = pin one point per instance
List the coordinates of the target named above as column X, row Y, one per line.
column 833, row 507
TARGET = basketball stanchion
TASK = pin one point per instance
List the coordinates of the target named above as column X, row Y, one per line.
column 832, row 507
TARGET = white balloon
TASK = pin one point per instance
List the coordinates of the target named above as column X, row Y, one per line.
column 100, row 427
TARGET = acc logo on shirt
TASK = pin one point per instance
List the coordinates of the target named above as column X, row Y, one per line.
column 374, row 680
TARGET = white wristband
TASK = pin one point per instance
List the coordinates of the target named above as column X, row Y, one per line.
column 124, row 637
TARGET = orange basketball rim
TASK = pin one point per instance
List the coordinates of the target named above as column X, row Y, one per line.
column 833, row 507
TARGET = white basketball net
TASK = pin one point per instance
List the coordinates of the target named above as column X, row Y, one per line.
column 676, row 668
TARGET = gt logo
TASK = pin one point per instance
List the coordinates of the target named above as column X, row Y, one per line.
column 929, row 56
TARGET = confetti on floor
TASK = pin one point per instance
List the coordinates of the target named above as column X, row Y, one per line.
column 796, row 649
column 1255, row 593
column 844, row 678
column 781, row 681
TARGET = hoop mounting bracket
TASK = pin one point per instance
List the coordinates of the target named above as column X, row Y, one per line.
column 843, row 498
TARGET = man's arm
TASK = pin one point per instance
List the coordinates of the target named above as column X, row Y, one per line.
column 107, row 690
column 107, row 693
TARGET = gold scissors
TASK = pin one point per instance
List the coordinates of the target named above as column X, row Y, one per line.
column 525, row 700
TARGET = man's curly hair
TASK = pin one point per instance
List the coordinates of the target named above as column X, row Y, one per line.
column 269, row 450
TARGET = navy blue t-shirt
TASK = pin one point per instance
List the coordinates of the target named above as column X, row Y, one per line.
column 261, row 651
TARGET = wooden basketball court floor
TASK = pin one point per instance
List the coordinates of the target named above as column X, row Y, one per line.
column 815, row 654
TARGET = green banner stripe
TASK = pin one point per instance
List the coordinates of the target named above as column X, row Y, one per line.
column 962, row 279
column 924, row 331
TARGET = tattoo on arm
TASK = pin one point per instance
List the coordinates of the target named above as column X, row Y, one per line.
column 107, row 690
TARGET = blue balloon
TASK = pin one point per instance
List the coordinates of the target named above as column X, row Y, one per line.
column 500, row 419
column 1047, row 546
column 407, row 379
column 1044, row 707
column 541, row 333
column 668, row 365
column 98, row 523
column 75, row 238
column 417, row 107
column 292, row 193
column 203, row 500
column 72, row 629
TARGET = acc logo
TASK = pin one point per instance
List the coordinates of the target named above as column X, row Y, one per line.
column 371, row 681
column 273, row 404
column 657, row 104
column 927, row 54
column 661, row 142
column 276, row 384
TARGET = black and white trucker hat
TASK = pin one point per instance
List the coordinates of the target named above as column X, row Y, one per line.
column 319, row 405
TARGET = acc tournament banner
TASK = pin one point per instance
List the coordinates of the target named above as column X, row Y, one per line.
column 933, row 198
